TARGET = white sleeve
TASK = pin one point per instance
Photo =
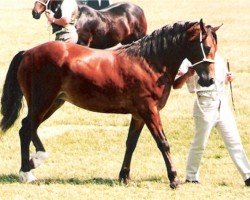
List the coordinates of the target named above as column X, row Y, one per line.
column 185, row 65
column 68, row 7
column 183, row 68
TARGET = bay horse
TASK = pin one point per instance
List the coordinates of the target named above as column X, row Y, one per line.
column 133, row 79
column 118, row 23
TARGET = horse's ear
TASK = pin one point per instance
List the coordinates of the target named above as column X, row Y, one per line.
column 202, row 26
column 214, row 29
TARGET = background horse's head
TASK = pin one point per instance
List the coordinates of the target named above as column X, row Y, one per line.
column 202, row 55
column 39, row 7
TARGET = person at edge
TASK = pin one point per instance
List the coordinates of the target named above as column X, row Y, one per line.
column 62, row 15
column 210, row 110
column 98, row 4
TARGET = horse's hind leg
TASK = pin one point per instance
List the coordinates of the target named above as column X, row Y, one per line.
column 28, row 128
column 40, row 96
column 39, row 157
column 133, row 136
column 28, row 132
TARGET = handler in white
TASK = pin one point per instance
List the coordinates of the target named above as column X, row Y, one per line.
column 62, row 17
column 210, row 110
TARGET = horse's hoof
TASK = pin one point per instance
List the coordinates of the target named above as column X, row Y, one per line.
column 175, row 184
column 37, row 159
column 124, row 176
column 125, row 180
column 247, row 182
column 26, row 177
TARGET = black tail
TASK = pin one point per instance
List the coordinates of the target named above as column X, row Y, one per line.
column 11, row 100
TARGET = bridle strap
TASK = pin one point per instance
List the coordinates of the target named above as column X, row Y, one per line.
column 45, row 4
column 203, row 53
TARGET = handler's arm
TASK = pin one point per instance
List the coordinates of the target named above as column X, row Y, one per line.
column 179, row 82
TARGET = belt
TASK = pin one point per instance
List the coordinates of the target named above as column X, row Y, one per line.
column 211, row 94
column 64, row 30
column 206, row 93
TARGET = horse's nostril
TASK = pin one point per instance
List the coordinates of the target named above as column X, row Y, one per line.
column 211, row 81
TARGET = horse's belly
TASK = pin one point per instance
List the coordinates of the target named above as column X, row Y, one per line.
column 99, row 103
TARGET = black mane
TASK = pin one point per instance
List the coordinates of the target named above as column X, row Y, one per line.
column 160, row 42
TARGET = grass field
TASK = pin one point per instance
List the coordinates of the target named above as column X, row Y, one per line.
column 86, row 149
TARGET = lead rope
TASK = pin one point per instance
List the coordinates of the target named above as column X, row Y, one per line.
column 49, row 29
column 197, row 98
column 49, row 26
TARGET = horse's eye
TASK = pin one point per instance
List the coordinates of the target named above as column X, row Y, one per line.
column 207, row 49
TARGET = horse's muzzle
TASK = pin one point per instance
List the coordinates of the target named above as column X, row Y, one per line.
column 205, row 82
column 36, row 15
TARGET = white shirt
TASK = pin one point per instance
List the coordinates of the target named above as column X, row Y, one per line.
column 220, row 74
column 69, row 9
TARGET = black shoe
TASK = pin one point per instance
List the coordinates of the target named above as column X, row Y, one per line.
column 188, row 181
column 247, row 182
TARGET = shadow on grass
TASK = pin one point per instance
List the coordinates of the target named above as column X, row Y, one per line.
column 11, row 178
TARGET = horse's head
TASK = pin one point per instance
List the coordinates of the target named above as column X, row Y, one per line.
column 202, row 45
column 39, row 7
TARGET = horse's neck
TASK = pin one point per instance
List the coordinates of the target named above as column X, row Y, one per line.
column 174, row 65
column 169, row 65
column 167, row 55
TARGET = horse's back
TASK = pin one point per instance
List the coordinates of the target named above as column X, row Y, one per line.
column 128, row 19
column 120, row 7
column 88, row 78
column 118, row 23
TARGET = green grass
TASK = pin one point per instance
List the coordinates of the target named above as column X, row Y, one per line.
column 86, row 149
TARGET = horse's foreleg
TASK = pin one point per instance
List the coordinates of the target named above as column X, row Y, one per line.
column 133, row 136
column 153, row 121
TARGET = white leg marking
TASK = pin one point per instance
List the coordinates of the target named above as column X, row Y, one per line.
column 38, row 158
column 26, row 177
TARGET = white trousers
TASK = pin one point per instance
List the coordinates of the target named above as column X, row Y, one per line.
column 214, row 112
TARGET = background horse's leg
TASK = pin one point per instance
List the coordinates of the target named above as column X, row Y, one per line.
column 133, row 135
column 153, row 121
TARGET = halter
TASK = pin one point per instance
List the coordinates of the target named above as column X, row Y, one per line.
column 45, row 4
column 203, row 53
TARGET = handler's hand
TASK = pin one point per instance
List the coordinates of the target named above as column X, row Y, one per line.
column 229, row 77
column 190, row 72
column 50, row 16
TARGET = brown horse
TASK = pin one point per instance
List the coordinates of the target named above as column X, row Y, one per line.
column 119, row 23
column 135, row 79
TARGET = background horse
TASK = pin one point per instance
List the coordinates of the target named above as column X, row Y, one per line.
column 119, row 23
column 135, row 79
